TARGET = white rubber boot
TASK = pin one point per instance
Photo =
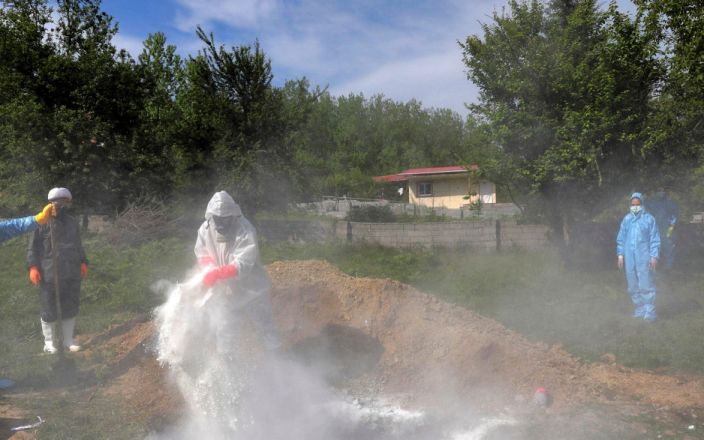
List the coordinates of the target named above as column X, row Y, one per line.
column 48, row 331
column 67, row 326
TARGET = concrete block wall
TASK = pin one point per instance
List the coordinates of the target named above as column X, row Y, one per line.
column 480, row 235
column 340, row 208
column 523, row 236
column 295, row 230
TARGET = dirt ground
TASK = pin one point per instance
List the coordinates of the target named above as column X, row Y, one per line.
column 381, row 337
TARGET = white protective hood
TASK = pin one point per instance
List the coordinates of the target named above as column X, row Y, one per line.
column 222, row 205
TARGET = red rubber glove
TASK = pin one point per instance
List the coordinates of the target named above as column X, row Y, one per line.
column 211, row 277
column 229, row 271
column 34, row 275
column 84, row 270
column 219, row 273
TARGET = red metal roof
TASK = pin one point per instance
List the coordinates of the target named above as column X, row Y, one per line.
column 403, row 175
column 390, row 178
column 439, row 170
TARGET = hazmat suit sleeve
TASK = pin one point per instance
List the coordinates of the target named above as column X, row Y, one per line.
column 654, row 239
column 245, row 255
column 208, row 251
column 16, row 226
column 201, row 249
column 35, row 250
column 621, row 237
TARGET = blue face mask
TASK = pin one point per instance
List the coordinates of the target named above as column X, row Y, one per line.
column 635, row 209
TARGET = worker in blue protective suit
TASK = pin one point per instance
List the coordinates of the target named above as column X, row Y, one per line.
column 665, row 212
column 638, row 250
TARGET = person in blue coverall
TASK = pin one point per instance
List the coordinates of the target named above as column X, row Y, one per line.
column 638, row 250
column 665, row 212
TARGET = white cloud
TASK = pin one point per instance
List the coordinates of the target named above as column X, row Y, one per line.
column 402, row 49
column 411, row 55
column 435, row 80
column 132, row 44
column 239, row 13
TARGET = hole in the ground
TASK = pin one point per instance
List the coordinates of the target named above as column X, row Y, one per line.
column 339, row 353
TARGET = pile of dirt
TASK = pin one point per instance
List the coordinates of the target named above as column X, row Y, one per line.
column 387, row 338
column 433, row 347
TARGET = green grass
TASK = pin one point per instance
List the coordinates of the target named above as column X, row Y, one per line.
column 82, row 414
column 117, row 289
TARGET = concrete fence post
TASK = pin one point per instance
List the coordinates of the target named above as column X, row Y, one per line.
column 498, row 235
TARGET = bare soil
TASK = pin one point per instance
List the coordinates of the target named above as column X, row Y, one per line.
column 382, row 337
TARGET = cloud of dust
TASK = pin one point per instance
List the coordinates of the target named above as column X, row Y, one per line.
column 235, row 390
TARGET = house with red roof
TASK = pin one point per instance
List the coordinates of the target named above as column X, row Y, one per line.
column 449, row 187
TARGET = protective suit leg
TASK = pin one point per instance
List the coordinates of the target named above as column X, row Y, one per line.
column 633, row 290
column 639, row 303
column 67, row 326
column 48, row 331
column 646, row 286
column 641, row 287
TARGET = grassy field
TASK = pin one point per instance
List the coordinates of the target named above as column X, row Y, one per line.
column 116, row 290
column 587, row 312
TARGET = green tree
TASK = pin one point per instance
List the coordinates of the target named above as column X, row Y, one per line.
column 232, row 120
column 23, row 50
column 565, row 89
column 676, row 130
column 80, row 99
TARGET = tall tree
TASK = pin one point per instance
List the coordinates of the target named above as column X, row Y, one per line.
column 80, row 98
column 676, row 131
column 23, row 121
column 233, row 113
column 565, row 89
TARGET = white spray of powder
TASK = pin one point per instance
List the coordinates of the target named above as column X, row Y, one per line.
column 197, row 342
column 234, row 391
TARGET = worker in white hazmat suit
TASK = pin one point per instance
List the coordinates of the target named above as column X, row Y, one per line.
column 228, row 254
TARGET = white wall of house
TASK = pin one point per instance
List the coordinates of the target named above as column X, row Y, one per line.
column 449, row 191
column 440, row 190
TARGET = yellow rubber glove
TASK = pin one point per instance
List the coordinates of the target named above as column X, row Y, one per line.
column 43, row 217
column 669, row 231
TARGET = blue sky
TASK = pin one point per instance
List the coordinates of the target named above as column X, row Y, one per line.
column 403, row 49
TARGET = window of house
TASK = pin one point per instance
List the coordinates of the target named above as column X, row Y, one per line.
column 425, row 189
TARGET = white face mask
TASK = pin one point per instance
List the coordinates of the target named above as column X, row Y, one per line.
column 635, row 209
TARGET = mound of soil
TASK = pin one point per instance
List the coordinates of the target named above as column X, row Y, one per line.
column 431, row 346
column 384, row 337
